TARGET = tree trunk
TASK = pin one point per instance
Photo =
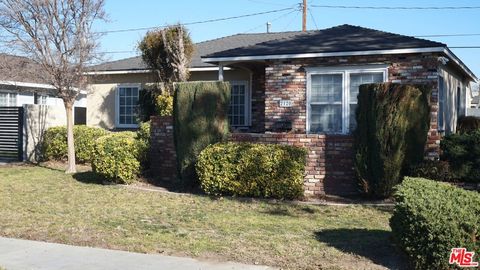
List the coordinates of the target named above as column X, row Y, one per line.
column 70, row 141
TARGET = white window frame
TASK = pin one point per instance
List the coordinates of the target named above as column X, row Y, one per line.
column 345, row 71
column 9, row 93
column 248, row 101
column 117, row 104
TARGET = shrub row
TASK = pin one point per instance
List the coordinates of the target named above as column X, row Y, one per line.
column 246, row 169
column 117, row 156
column 431, row 218
column 55, row 142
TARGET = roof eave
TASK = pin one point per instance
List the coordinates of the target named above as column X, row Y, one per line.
column 442, row 49
column 144, row 71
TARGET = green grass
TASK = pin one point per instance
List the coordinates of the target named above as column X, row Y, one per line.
column 45, row 204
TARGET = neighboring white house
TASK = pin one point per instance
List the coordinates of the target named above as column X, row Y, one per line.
column 28, row 106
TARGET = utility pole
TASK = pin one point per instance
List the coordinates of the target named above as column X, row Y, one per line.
column 304, row 19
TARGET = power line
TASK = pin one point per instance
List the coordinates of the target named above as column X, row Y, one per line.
column 198, row 22
column 313, row 18
column 396, row 8
column 275, row 19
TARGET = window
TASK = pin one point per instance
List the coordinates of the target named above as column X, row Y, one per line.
column 239, row 103
column 8, row 99
column 441, row 103
column 127, row 106
column 40, row 99
column 357, row 79
column 332, row 97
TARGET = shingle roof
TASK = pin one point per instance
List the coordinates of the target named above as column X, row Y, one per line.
column 20, row 69
column 201, row 48
column 343, row 38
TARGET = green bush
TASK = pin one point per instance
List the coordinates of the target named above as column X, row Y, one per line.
column 164, row 104
column 200, row 119
column 392, row 126
column 467, row 124
column 462, row 152
column 431, row 218
column 55, row 142
column 117, row 157
column 143, row 137
column 246, row 169
column 432, row 169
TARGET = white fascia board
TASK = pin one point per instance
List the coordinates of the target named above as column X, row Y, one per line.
column 329, row 54
column 143, row 71
column 33, row 85
column 29, row 85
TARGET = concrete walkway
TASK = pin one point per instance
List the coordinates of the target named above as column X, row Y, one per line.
column 32, row 255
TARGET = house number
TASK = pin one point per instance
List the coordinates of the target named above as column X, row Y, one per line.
column 286, row 103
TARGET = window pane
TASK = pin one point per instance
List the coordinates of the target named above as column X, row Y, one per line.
column 237, row 113
column 326, row 118
column 326, row 88
column 353, row 119
column 128, row 104
column 362, row 78
column 3, row 99
column 355, row 81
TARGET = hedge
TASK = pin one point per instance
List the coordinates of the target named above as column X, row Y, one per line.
column 462, row 152
column 55, row 142
column 430, row 218
column 392, row 125
column 258, row 170
column 200, row 119
column 117, row 157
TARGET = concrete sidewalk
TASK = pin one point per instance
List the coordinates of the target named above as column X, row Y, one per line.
column 32, row 255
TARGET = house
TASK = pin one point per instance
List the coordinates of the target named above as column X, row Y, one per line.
column 300, row 88
column 110, row 81
column 28, row 106
column 22, row 83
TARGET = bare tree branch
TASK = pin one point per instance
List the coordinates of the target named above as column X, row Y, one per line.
column 58, row 36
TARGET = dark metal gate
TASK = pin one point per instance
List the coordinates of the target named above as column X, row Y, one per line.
column 11, row 133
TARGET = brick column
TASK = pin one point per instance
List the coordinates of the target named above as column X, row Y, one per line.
column 163, row 159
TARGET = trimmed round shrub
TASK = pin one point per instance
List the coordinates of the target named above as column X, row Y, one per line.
column 55, row 142
column 116, row 157
column 258, row 170
column 431, row 218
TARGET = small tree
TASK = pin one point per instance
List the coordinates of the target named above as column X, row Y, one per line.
column 167, row 52
column 57, row 35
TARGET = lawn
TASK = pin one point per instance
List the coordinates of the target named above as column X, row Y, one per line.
column 46, row 204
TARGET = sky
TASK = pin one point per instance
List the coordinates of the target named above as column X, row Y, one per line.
column 128, row 14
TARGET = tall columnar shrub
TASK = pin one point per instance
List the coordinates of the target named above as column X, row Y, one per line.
column 431, row 218
column 247, row 169
column 462, row 152
column 55, row 142
column 392, row 126
column 200, row 119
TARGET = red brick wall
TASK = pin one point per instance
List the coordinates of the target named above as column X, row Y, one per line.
column 329, row 169
column 163, row 158
column 287, row 80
